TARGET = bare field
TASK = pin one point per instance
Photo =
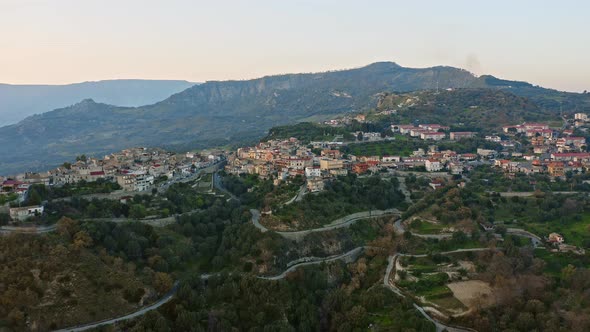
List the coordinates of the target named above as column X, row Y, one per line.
column 472, row 293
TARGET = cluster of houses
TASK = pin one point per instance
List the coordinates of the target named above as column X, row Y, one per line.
column 434, row 132
column 282, row 159
column 553, row 151
column 133, row 169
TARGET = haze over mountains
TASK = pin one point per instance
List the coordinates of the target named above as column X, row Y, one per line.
column 218, row 113
column 19, row 101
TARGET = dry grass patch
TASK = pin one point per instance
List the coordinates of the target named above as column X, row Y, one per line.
column 472, row 293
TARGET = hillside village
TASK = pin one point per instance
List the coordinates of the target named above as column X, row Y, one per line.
column 527, row 148
column 132, row 170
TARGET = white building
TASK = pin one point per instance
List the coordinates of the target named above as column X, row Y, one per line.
column 312, row 172
column 433, row 135
column 433, row 165
column 23, row 213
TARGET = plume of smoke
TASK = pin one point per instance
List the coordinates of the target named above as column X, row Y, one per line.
column 472, row 64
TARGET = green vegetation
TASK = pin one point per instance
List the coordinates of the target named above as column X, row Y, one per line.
column 425, row 227
column 398, row 147
column 307, row 132
column 343, row 196
column 465, row 109
column 432, row 285
column 179, row 198
column 555, row 262
column 39, row 192
column 64, row 279
column 334, row 296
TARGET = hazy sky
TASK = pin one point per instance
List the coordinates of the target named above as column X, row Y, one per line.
column 63, row 41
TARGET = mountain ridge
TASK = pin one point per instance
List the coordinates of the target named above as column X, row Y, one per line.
column 20, row 100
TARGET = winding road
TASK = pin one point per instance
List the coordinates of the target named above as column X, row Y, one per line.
column 132, row 315
column 338, row 223
column 219, row 186
column 348, row 257
column 27, row 230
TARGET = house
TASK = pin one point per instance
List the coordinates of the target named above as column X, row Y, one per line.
column 334, row 154
column 581, row 116
column 507, row 144
column 547, row 133
column 455, row 168
column 360, row 168
column 433, row 165
column 571, row 140
column 432, row 135
column 402, row 129
column 23, row 213
column 433, row 127
column 486, row 152
column 468, row 156
column 571, row 156
column 390, row 159
column 417, row 132
column 493, row 138
column 538, row 141
column 555, row 238
column 436, row 183
column 312, row 172
column 315, row 184
column 568, row 132
column 457, row 135
column 330, row 164
column 360, row 118
column 135, row 181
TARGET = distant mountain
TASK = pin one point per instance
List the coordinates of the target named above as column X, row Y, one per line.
column 19, row 101
column 220, row 113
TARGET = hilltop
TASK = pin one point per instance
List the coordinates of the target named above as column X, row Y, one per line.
column 229, row 112
column 20, row 101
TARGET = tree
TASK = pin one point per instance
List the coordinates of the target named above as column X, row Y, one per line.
column 4, row 219
column 82, row 240
column 34, row 198
column 137, row 211
column 162, row 282
column 67, row 227
column 134, row 249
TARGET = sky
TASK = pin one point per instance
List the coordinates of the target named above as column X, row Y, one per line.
column 64, row 41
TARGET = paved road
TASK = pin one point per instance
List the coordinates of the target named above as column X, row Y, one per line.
column 27, row 230
column 536, row 240
column 404, row 189
column 349, row 256
column 156, row 222
column 299, row 196
column 531, row 193
column 219, row 186
column 338, row 223
column 138, row 313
